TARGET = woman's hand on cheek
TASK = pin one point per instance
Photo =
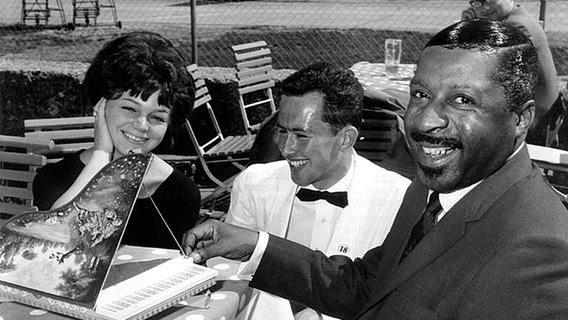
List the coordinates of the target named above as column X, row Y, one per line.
column 103, row 141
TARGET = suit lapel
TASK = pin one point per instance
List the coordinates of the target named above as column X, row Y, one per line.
column 447, row 232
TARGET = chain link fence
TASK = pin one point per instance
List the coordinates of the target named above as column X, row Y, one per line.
column 299, row 32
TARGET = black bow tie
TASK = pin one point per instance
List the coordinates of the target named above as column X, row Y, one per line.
column 335, row 198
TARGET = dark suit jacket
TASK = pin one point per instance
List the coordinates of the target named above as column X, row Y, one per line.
column 500, row 253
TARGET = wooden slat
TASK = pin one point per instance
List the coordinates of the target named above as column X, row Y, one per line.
column 260, row 86
column 245, row 142
column 210, row 142
column 241, row 65
column 222, row 148
column 71, row 134
column 22, row 158
column 201, row 91
column 174, row 158
column 15, row 192
column 17, row 175
column 201, row 101
column 248, row 46
column 59, row 123
column 267, row 78
column 200, row 84
column 260, row 71
column 26, row 142
column 192, row 68
column 232, row 145
column 251, row 54
column 546, row 154
column 377, row 134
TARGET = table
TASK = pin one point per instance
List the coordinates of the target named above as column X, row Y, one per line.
column 373, row 75
column 228, row 297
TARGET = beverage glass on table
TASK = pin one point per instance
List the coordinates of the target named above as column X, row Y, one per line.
column 393, row 48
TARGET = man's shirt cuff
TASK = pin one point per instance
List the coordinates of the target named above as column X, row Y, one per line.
column 247, row 269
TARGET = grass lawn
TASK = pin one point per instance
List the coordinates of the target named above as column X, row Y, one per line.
column 291, row 48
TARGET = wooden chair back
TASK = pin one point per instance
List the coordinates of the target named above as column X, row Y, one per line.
column 18, row 164
column 69, row 134
column 377, row 135
column 206, row 135
column 255, row 79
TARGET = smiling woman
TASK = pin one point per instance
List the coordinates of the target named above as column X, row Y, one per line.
column 140, row 88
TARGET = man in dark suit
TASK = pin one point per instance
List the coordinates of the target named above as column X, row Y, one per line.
column 495, row 245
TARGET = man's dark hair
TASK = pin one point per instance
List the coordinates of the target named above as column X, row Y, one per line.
column 340, row 89
column 517, row 65
column 142, row 63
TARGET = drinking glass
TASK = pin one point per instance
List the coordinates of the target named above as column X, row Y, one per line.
column 393, row 48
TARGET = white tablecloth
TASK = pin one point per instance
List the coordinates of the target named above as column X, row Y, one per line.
column 373, row 75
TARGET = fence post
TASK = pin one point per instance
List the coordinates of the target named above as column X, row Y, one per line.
column 193, row 32
column 542, row 15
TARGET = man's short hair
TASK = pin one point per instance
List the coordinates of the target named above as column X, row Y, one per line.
column 141, row 63
column 341, row 91
column 517, row 65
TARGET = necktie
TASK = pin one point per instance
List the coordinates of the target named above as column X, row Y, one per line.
column 335, row 198
column 424, row 225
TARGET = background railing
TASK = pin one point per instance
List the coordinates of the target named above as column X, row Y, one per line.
column 298, row 32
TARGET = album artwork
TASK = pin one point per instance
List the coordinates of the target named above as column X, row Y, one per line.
column 66, row 252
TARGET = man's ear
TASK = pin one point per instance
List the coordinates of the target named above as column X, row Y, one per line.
column 525, row 118
column 349, row 137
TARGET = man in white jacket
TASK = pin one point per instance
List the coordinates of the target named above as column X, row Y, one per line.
column 323, row 195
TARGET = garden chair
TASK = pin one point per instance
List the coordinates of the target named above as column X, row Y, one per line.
column 554, row 166
column 377, row 134
column 212, row 146
column 69, row 134
column 255, row 80
column 18, row 164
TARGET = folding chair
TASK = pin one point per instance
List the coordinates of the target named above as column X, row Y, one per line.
column 377, row 134
column 554, row 165
column 211, row 145
column 254, row 76
column 18, row 164
column 69, row 134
